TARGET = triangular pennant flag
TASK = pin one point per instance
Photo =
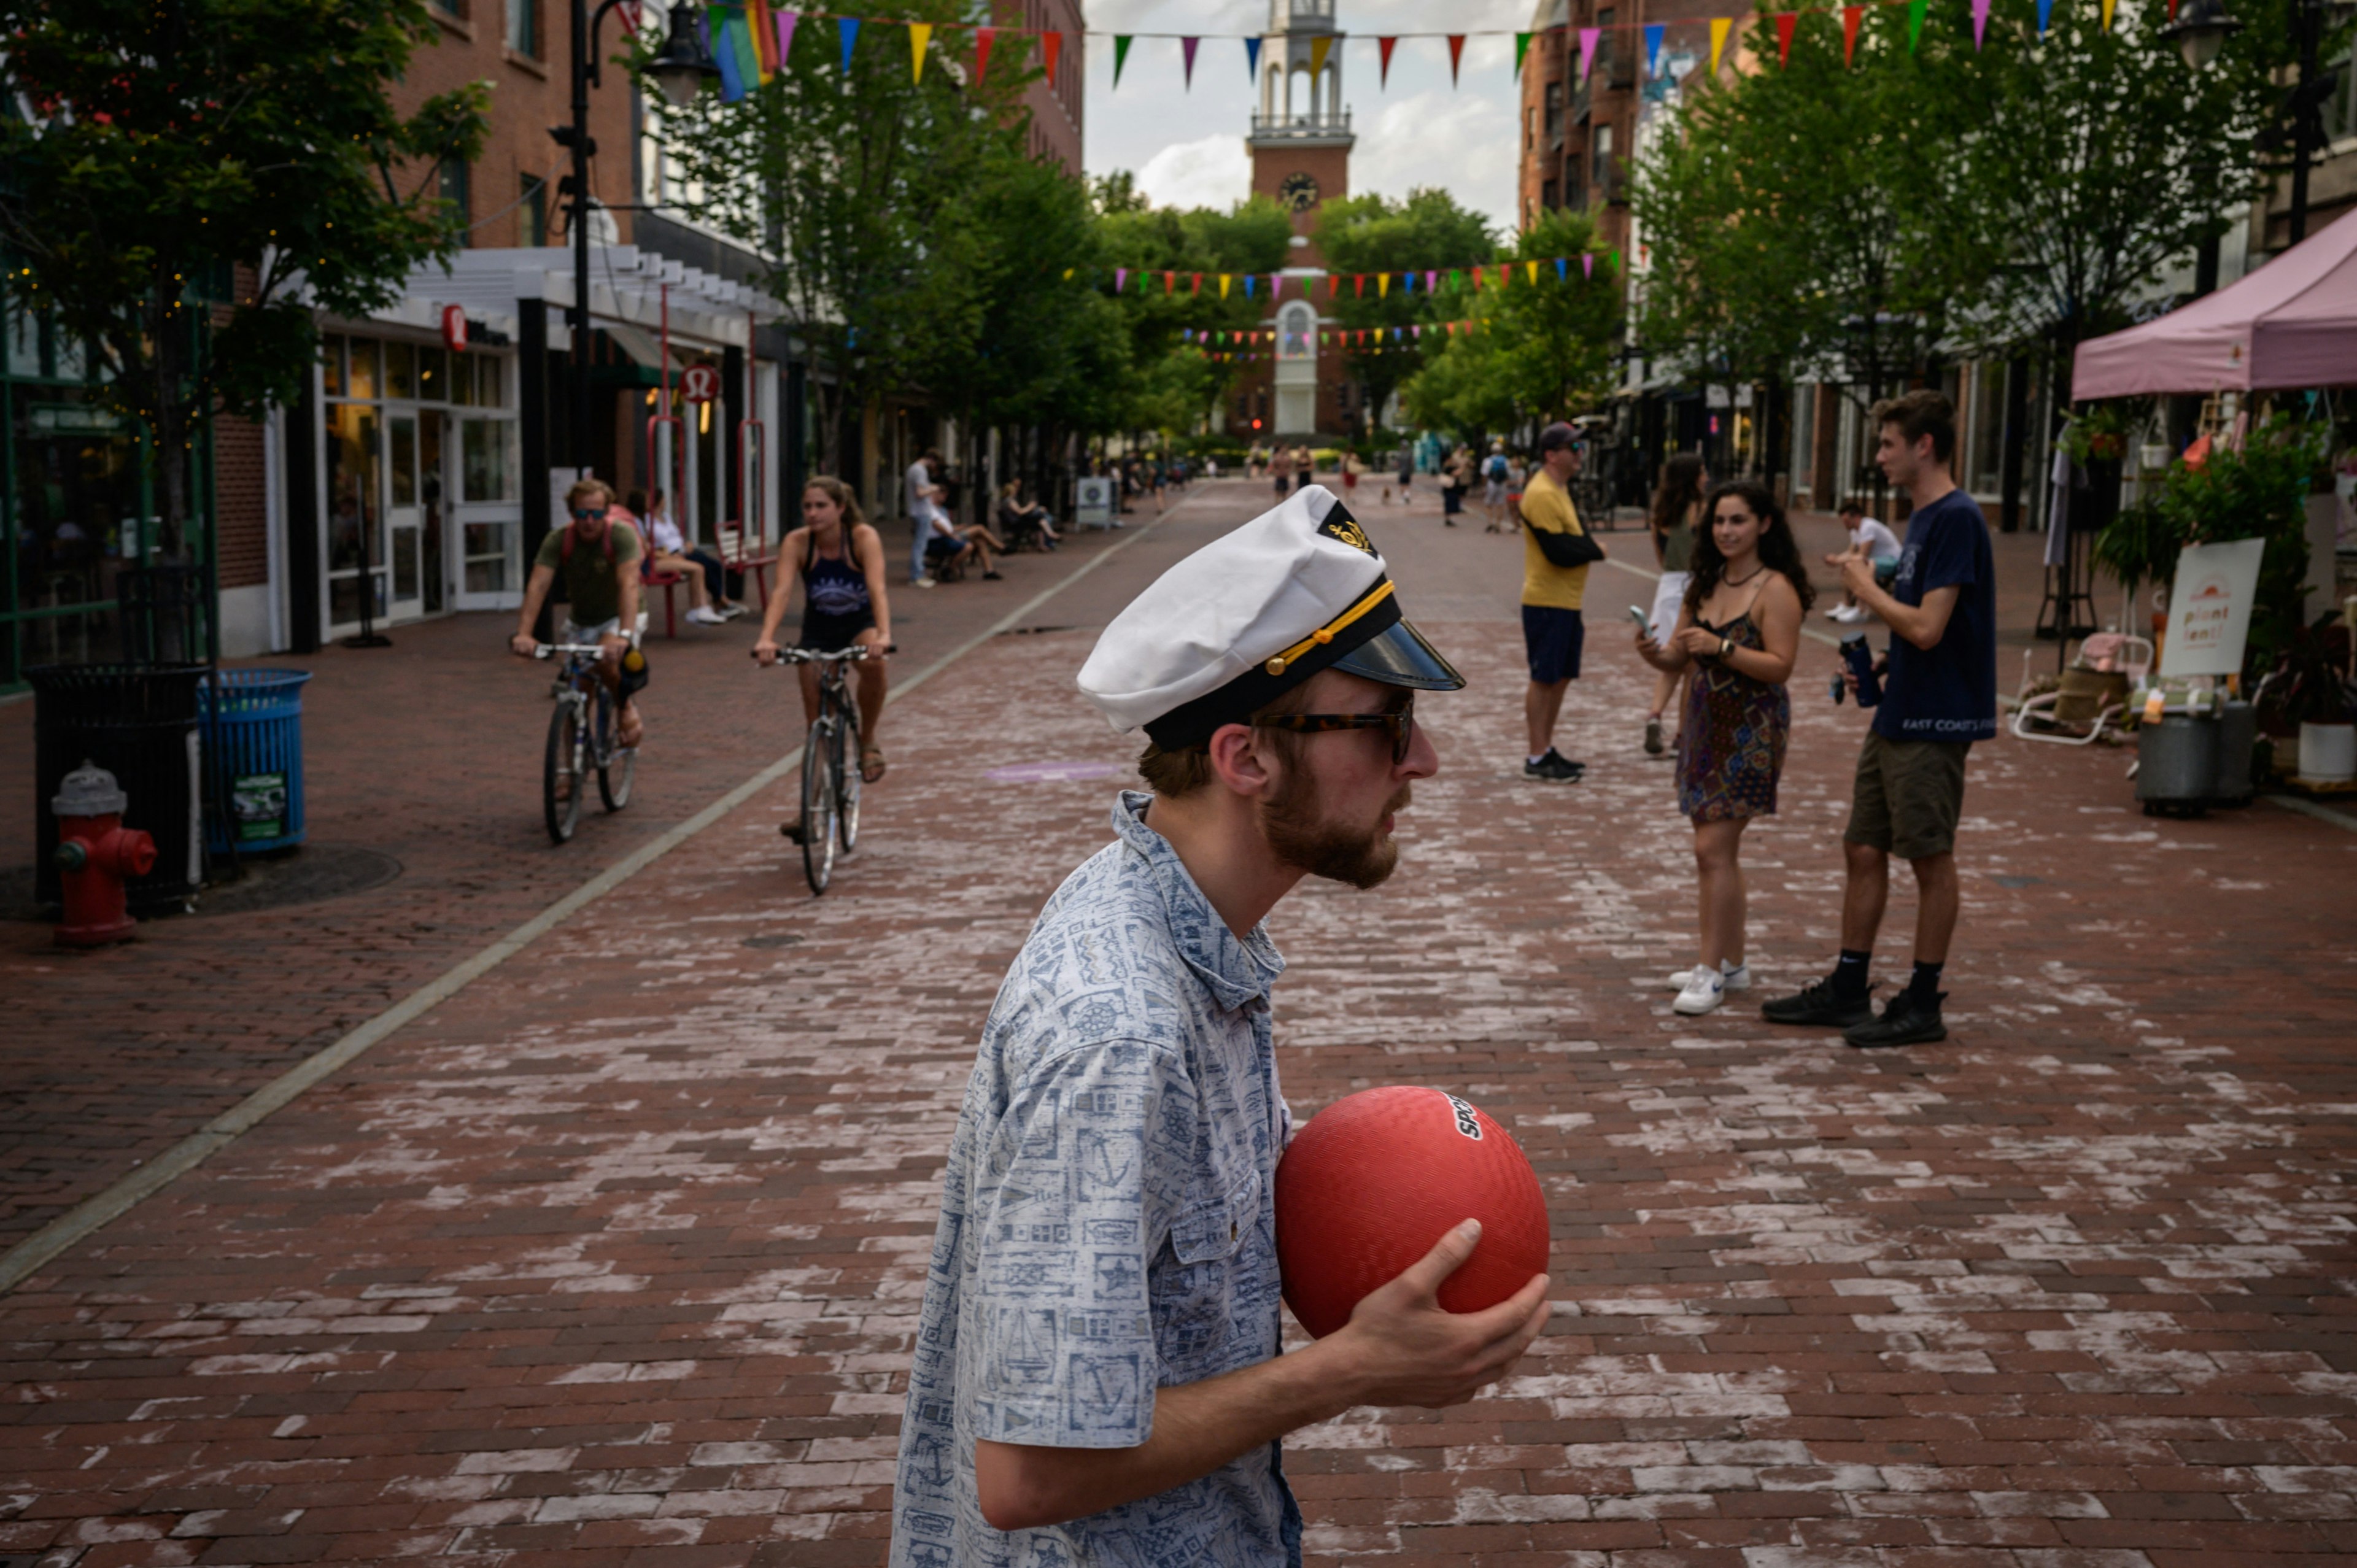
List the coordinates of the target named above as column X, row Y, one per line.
column 1120, row 55
column 1333, row 283
column 1456, row 53
column 1915, row 9
column 1224, row 285
column 1383, row 285
column 1615, row 258
column 1588, row 41
column 919, row 35
column 1430, row 278
column 1186, row 50
column 765, row 41
column 1395, row 334
column 749, row 56
column 1419, row 329
column 1505, row 273
column 1051, row 47
column 1522, row 47
column 1980, row 18
column 1653, row 32
column 1120, row 277
column 1198, row 287
column 1358, row 285
column 1533, row 269
column 848, row 31
column 1587, row 263
column 2107, row 16
column 1248, row 285
column 1851, row 17
column 1252, row 59
column 1169, row 284
column 1317, row 47
column 982, row 39
column 1384, row 47
column 1785, row 21
column 724, row 55
column 783, row 24
column 1559, row 274
column 1718, row 28
column 2045, row 13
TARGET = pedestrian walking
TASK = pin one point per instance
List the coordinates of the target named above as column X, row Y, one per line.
column 1556, row 552
column 1096, row 1377
column 1280, row 470
column 1938, row 696
column 1737, row 637
column 1872, row 535
column 1456, row 473
column 1495, row 471
column 924, row 498
column 1674, row 522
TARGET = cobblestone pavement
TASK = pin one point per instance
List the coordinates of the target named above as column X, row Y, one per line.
column 615, row 1255
column 428, row 752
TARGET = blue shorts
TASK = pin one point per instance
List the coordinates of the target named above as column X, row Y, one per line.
column 1552, row 638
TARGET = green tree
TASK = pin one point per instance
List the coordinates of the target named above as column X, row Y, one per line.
column 1171, row 260
column 857, row 187
column 170, row 142
column 1540, row 346
column 1372, row 237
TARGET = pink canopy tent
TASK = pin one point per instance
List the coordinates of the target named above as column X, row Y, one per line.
column 2293, row 323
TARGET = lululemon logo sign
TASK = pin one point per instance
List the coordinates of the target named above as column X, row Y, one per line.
column 701, row 383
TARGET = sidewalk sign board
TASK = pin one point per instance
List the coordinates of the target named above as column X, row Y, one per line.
column 1093, row 502
column 2209, row 609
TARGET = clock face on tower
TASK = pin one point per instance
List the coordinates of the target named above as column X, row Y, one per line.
column 1297, row 192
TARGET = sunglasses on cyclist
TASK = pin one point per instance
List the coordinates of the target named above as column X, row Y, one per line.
column 584, row 514
column 1399, row 727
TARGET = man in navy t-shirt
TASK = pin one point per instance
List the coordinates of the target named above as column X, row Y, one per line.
column 1939, row 696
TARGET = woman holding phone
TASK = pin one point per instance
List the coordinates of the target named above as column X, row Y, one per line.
column 1738, row 632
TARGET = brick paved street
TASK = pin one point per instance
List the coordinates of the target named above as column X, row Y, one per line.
column 613, row 1256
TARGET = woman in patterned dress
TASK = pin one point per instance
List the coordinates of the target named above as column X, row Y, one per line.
column 1739, row 632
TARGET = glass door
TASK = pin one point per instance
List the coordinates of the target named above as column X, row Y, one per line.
column 405, row 520
column 356, row 543
column 487, row 515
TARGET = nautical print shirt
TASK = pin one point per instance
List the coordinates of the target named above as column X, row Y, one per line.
column 1108, row 1226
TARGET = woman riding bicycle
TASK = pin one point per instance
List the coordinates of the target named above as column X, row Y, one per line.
column 839, row 559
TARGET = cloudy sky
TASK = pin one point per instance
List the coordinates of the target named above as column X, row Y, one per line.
column 1187, row 146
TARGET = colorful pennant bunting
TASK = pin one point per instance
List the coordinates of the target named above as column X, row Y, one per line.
column 1915, row 11
column 848, row 31
column 1186, row 48
column 1588, row 38
column 1851, row 17
column 919, row 35
column 1522, row 47
column 765, row 41
column 1785, row 22
column 982, row 39
column 1384, row 47
column 1456, row 53
column 1120, row 55
column 1317, row 47
column 1252, row 59
column 1719, row 26
column 724, row 55
column 1980, row 19
column 1051, row 47
column 1654, row 31
column 2045, row 13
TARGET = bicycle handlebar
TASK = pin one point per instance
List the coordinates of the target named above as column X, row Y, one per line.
column 852, row 655
column 550, row 650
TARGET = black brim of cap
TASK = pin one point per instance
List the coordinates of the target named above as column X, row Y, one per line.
column 1399, row 656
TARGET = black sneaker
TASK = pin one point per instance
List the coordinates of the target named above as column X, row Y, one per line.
column 1907, row 1020
column 1820, row 1006
column 1555, row 768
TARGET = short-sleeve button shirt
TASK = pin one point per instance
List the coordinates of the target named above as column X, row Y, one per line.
column 1108, row 1224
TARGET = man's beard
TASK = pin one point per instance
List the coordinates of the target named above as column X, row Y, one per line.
column 1299, row 834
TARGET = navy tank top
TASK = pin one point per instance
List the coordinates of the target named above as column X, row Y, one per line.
column 834, row 587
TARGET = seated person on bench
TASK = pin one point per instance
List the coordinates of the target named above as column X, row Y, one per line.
column 954, row 546
column 1021, row 523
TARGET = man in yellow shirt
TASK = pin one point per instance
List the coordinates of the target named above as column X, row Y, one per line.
column 1551, row 630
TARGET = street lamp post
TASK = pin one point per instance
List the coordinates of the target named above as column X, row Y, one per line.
column 680, row 71
column 2202, row 29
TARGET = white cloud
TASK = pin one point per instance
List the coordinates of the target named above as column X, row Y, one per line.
column 1213, row 171
column 1187, row 146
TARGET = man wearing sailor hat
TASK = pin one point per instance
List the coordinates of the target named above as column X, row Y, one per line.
column 1096, row 1377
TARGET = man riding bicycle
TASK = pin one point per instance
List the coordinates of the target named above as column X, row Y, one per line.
column 599, row 560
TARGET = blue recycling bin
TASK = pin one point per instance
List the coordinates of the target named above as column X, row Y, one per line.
column 253, row 725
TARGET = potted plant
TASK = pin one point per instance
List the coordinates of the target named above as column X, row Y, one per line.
column 2310, row 687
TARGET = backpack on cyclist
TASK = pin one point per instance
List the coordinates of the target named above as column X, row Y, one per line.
column 1497, row 468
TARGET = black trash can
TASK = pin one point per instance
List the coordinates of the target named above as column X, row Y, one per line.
column 139, row 723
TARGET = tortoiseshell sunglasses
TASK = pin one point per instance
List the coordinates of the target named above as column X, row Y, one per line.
column 1401, row 726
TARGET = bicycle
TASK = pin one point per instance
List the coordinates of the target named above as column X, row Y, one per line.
column 830, row 789
column 581, row 732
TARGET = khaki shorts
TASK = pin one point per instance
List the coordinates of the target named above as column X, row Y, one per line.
column 1908, row 796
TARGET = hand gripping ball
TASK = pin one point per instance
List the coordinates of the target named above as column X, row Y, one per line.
column 1375, row 1180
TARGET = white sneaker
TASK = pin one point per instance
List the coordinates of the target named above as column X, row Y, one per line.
column 1734, row 977
column 1703, row 993
column 732, row 612
column 702, row 617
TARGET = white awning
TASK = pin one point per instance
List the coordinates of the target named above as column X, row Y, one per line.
column 628, row 285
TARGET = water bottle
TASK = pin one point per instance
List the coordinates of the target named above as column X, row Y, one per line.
column 1861, row 658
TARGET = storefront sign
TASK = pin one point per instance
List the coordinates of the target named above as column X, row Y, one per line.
column 72, row 419
column 701, row 383
column 1093, row 502
column 2209, row 609
column 454, row 327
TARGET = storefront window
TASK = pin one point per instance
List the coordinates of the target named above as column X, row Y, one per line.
column 331, row 364
column 354, row 512
column 400, row 370
column 362, row 381
column 77, row 518
column 433, row 375
column 488, row 446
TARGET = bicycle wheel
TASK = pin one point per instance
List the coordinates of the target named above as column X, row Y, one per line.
column 848, row 781
column 614, row 772
column 560, row 776
column 819, row 786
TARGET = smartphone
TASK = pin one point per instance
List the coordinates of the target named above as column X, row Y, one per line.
column 1643, row 623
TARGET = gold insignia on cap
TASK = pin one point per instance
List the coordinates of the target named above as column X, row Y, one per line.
column 1341, row 525
column 1325, row 634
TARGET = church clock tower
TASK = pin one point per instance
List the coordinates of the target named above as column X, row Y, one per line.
column 1300, row 145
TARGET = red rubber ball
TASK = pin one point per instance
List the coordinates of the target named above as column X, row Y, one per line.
column 1375, row 1180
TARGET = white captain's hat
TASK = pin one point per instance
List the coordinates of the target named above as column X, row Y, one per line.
column 1298, row 589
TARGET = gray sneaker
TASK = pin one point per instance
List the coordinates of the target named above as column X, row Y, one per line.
column 1555, row 768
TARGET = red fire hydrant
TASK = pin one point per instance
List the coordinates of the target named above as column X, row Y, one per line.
column 95, row 854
